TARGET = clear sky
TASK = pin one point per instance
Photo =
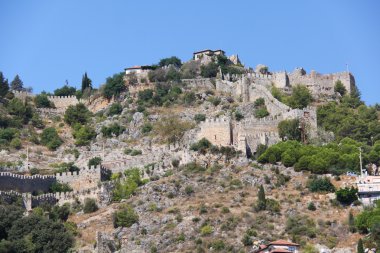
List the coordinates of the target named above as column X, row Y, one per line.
column 49, row 41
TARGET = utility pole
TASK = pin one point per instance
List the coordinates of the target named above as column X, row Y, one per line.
column 361, row 165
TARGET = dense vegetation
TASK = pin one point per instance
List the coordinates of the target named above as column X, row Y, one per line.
column 36, row 232
column 333, row 158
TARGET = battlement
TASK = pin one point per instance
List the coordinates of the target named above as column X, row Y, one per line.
column 9, row 174
column 83, row 179
column 217, row 120
column 22, row 183
column 62, row 102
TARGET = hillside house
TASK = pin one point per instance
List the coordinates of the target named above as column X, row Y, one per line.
column 280, row 246
column 207, row 52
column 138, row 70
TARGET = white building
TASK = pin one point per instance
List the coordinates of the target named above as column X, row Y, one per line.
column 207, row 53
column 368, row 189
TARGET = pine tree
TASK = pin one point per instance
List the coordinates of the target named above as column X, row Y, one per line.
column 360, row 246
column 4, row 86
column 86, row 82
column 17, row 84
column 261, row 203
column 351, row 223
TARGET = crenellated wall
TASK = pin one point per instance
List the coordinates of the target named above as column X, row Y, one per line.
column 21, row 183
column 62, row 102
column 83, row 179
column 218, row 131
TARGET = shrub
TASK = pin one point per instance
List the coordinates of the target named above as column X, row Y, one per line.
column 189, row 190
column 207, row 230
column 60, row 187
column 50, row 138
column 112, row 130
column 261, row 112
column 114, row 86
column 16, row 143
column 77, row 114
column 171, row 129
column 289, row 129
column 199, row 117
column 115, row 109
column 125, row 217
column 273, row 206
column 247, row 240
column 42, row 101
column 214, row 100
column 259, row 102
column 90, row 205
column 339, row 88
column 311, row 206
column 346, row 195
column 209, row 70
column 83, row 135
column 238, row 116
column 320, row 184
column 146, row 128
column 95, row 161
column 189, row 98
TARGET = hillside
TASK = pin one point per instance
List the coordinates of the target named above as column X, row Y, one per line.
column 206, row 155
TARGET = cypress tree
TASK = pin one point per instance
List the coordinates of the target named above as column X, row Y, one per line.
column 4, row 86
column 351, row 223
column 360, row 246
column 261, row 203
column 17, row 84
column 86, row 82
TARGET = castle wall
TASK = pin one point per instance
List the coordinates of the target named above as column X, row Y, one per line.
column 62, row 102
column 217, row 131
column 199, row 83
column 21, row 183
column 84, row 179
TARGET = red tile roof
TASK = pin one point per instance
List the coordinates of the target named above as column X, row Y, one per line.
column 134, row 67
column 283, row 242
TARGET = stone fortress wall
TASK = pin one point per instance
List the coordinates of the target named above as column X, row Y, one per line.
column 85, row 183
column 247, row 134
column 21, row 183
column 62, row 102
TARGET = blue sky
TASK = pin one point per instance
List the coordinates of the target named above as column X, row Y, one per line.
column 48, row 42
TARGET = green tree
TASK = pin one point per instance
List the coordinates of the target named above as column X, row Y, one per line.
column 351, row 223
column 17, row 84
column 209, row 70
column 346, row 195
column 339, row 88
column 66, row 90
column 300, row 98
column 77, row 114
column 42, row 101
column 36, row 233
column 114, row 86
column 289, row 130
column 86, row 82
column 125, row 217
column 50, row 138
column 175, row 61
column 115, row 109
column 83, row 135
column 360, row 248
column 4, row 86
column 261, row 202
column 95, row 161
